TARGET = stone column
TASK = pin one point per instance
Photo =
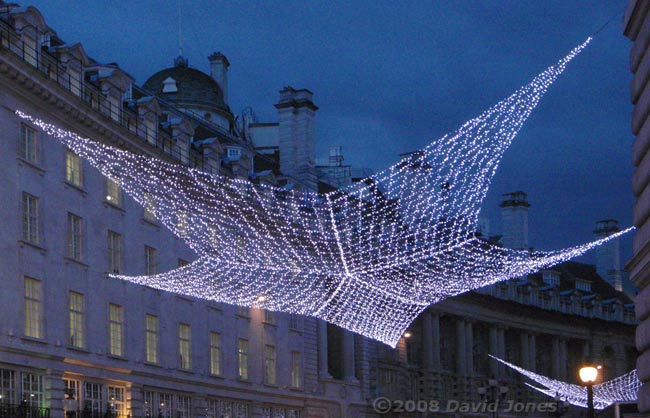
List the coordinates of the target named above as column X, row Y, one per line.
column 54, row 392
column 525, row 350
column 135, row 400
column 469, row 347
column 501, row 339
column 532, row 346
column 348, row 356
column 435, row 326
column 494, row 350
column 555, row 358
column 461, row 365
column 563, row 359
column 427, row 341
column 323, row 365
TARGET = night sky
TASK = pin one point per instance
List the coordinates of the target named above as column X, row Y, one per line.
column 391, row 76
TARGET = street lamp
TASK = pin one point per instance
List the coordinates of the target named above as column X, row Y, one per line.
column 588, row 375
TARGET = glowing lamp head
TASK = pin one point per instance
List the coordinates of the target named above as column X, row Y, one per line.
column 588, row 374
column 407, row 334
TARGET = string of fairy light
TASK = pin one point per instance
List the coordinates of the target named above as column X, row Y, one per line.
column 369, row 257
column 623, row 388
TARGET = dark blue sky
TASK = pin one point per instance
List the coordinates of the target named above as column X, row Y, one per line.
column 391, row 76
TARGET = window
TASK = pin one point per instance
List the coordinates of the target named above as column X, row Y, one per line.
column 71, row 393
column 215, row 353
column 583, row 285
column 295, row 323
column 242, row 358
column 150, row 260
column 7, row 386
column 93, row 400
column 113, row 192
column 182, row 263
column 234, row 153
column 116, row 400
column 269, row 317
column 147, row 398
column 33, row 308
column 114, row 252
column 31, row 219
column 183, row 406
column 165, row 409
column 74, row 236
column 296, row 370
column 551, row 277
column 152, row 338
column 29, row 146
column 76, row 313
column 116, row 329
column 184, row 346
column 150, row 130
column 73, row 174
column 269, row 365
column 243, row 311
column 150, row 206
column 113, row 106
column 33, row 389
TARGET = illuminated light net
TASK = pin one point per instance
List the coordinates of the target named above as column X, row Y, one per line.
column 621, row 389
column 369, row 257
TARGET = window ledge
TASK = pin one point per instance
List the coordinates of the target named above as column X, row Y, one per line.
column 111, row 205
column 295, row 389
column 75, row 261
column 186, row 371
column 81, row 190
column 295, row 330
column 34, row 340
column 271, row 324
column 146, row 221
column 247, row 381
column 116, row 357
column 216, row 376
column 271, row 385
column 33, row 245
column 150, row 364
column 31, row 164
column 247, row 317
column 79, row 349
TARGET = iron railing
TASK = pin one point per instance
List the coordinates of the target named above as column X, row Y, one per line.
column 23, row 410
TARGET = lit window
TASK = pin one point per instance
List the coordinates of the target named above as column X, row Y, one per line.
column 184, row 346
column 31, row 218
column 152, row 338
column 29, row 146
column 147, row 408
column 116, row 401
column 150, row 260
column 76, row 316
column 269, row 365
column 116, row 329
column 215, row 353
column 33, row 308
column 113, row 192
column 71, row 399
column 73, row 174
column 296, row 370
column 114, row 252
column 242, row 358
column 74, row 236
column 150, row 206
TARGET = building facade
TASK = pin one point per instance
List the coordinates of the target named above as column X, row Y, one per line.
column 75, row 342
column 636, row 26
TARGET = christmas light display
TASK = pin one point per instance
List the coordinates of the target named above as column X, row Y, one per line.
column 369, row 257
column 621, row 389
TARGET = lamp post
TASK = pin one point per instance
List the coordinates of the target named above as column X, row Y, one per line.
column 588, row 375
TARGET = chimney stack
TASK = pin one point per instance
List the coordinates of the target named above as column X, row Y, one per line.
column 219, row 72
column 608, row 258
column 296, row 113
column 514, row 216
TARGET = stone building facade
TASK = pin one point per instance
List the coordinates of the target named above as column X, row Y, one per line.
column 75, row 342
column 636, row 26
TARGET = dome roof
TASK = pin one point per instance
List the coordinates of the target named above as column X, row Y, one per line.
column 192, row 87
